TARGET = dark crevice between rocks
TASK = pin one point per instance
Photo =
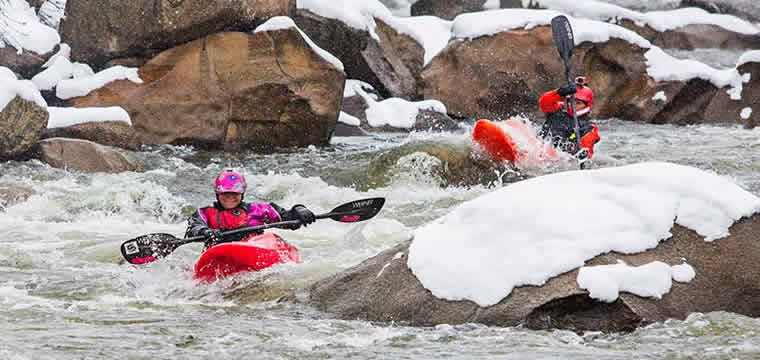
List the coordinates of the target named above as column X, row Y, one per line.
column 581, row 313
column 688, row 106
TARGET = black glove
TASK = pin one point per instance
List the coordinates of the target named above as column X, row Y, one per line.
column 567, row 90
column 582, row 154
column 303, row 214
column 211, row 236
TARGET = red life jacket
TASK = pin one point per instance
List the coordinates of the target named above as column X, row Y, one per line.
column 226, row 219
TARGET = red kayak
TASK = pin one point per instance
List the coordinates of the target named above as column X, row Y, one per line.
column 255, row 253
column 512, row 141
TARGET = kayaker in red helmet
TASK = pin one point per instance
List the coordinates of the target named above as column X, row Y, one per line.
column 559, row 127
column 230, row 212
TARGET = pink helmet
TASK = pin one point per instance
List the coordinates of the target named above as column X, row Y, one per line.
column 586, row 95
column 230, row 181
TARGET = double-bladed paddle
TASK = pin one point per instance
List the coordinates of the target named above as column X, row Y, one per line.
column 562, row 34
column 151, row 247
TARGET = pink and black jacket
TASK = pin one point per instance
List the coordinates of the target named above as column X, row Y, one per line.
column 244, row 215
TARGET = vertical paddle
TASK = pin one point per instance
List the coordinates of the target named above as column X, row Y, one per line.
column 562, row 34
column 151, row 247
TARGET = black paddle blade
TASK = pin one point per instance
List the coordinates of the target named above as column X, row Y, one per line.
column 149, row 248
column 358, row 210
column 563, row 37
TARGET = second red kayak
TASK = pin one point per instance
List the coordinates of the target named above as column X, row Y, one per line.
column 252, row 254
column 511, row 141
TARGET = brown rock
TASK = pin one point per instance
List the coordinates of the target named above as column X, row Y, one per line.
column 695, row 36
column 21, row 125
column 111, row 133
column 509, row 4
column 744, row 10
column 231, row 90
column 84, row 155
column 429, row 120
column 100, row 30
column 617, row 73
column 383, row 288
column 444, row 163
column 722, row 108
column 342, row 129
column 26, row 64
column 10, row 196
column 496, row 76
column 446, row 9
column 391, row 65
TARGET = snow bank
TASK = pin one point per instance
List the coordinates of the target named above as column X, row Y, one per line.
column 530, row 231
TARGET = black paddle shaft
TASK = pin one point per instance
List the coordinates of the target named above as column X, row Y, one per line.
column 150, row 247
column 564, row 40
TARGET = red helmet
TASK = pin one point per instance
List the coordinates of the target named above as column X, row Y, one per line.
column 230, row 181
column 584, row 94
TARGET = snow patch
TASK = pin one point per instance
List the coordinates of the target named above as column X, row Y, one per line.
column 20, row 28
column 361, row 15
column 10, row 87
column 658, row 20
column 63, row 117
column 70, row 88
column 284, row 22
column 660, row 96
column 663, row 67
column 348, row 119
column 746, row 113
column 473, row 25
column 748, row 57
column 683, row 273
column 605, row 282
column 434, row 33
column 549, row 233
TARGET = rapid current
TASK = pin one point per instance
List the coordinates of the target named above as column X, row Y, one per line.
column 65, row 295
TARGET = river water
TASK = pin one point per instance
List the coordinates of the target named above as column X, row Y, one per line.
column 65, row 295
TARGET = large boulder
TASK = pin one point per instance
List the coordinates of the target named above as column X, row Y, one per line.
column 469, row 77
column 26, row 64
column 496, row 76
column 617, row 72
column 100, row 30
column 742, row 9
column 694, row 36
column 392, row 63
column 746, row 111
column 22, row 123
column 84, row 155
column 229, row 90
column 384, row 289
column 446, row 9
column 111, row 133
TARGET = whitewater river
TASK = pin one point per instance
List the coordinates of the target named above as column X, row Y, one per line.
column 65, row 295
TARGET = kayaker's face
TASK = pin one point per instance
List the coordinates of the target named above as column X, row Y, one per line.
column 230, row 200
column 580, row 105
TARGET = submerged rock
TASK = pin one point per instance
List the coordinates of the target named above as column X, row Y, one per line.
column 84, row 155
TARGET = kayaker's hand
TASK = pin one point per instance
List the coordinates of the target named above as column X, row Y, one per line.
column 582, row 155
column 211, row 236
column 304, row 215
column 566, row 91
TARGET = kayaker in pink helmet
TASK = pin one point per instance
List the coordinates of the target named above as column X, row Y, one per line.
column 231, row 212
